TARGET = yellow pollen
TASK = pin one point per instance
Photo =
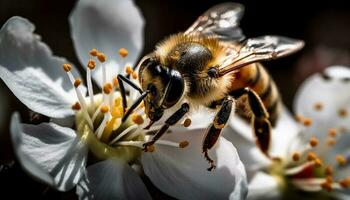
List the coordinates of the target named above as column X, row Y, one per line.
column 137, row 119
column 318, row 162
column 313, row 141
column 328, row 171
column 340, row 159
column 183, row 144
column 331, row 142
column 342, row 112
column 67, row 67
column 187, row 122
column 307, row 121
column 123, row 52
column 117, row 111
column 134, row 75
column 101, row 57
column 327, row 186
column 107, row 88
column 296, row 156
column 150, row 148
column 345, row 183
column 332, row 132
column 129, row 70
column 117, row 101
column 76, row 106
column 311, row 156
column 93, row 52
column 318, row 106
column 115, row 82
column 77, row 82
column 104, row 109
column 91, row 64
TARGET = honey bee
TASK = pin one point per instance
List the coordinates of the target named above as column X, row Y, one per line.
column 211, row 64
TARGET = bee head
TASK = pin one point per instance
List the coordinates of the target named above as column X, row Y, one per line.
column 165, row 85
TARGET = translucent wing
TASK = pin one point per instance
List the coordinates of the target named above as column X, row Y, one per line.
column 259, row 49
column 221, row 21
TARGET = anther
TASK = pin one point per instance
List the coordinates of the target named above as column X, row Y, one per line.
column 313, row 141
column 307, row 121
column 129, row 70
column 77, row 82
column 101, row 57
column 104, row 109
column 331, row 142
column 318, row 106
column 134, row 75
column 137, row 119
column 107, row 88
column 327, row 186
column 342, row 112
column 93, row 52
column 332, row 132
column 183, row 144
column 123, row 52
column 311, row 156
column 67, row 67
column 76, row 106
column 340, row 159
column 328, row 171
column 318, row 162
column 187, row 122
column 296, row 156
column 91, row 64
column 345, row 183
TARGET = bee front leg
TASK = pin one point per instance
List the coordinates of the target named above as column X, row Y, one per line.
column 215, row 129
column 173, row 119
column 260, row 118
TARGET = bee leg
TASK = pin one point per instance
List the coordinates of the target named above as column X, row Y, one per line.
column 121, row 80
column 173, row 119
column 260, row 118
column 215, row 129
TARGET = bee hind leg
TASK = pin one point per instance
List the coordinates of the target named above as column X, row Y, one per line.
column 260, row 118
column 215, row 129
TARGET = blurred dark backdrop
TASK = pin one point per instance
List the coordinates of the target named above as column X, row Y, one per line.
column 325, row 27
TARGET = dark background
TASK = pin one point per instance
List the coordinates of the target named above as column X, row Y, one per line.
column 324, row 26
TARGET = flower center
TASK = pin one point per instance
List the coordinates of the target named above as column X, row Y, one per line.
column 98, row 118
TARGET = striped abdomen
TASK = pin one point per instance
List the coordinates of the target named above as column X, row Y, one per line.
column 257, row 78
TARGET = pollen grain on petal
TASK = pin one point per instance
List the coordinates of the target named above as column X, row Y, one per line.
column 91, row 64
column 318, row 106
column 67, row 67
column 123, row 52
column 183, row 144
column 76, row 106
column 77, row 82
column 342, row 112
column 93, row 52
column 187, row 122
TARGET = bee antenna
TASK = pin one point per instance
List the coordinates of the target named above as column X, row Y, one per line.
column 134, row 105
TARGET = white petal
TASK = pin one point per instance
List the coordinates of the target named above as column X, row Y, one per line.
column 332, row 93
column 263, row 186
column 182, row 173
column 50, row 153
column 33, row 74
column 111, row 179
column 107, row 25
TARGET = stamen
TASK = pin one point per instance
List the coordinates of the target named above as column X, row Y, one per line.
column 76, row 106
column 187, row 122
column 311, row 156
column 93, row 52
column 134, row 75
column 107, row 88
column 91, row 64
column 296, row 156
column 123, row 52
column 313, row 141
column 125, row 132
column 342, row 112
column 340, row 159
column 67, row 67
column 129, row 70
column 101, row 57
column 318, row 106
column 89, row 85
column 332, row 132
column 137, row 119
column 77, row 82
column 104, row 122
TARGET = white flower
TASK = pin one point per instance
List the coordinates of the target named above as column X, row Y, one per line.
column 83, row 126
column 310, row 156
